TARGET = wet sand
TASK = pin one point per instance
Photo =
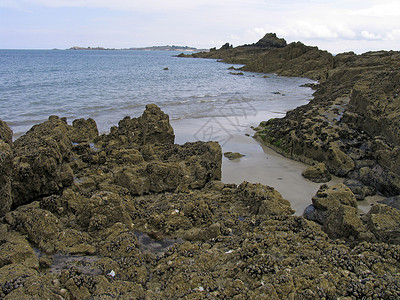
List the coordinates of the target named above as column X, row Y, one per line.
column 260, row 163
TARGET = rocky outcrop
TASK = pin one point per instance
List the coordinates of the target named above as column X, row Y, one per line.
column 350, row 125
column 317, row 173
column 270, row 40
column 171, row 245
column 151, row 128
column 6, row 159
column 41, row 161
column 384, row 222
column 335, row 208
column 83, row 130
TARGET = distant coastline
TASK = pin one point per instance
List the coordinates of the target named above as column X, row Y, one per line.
column 152, row 48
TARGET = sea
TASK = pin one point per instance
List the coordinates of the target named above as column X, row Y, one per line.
column 202, row 97
column 108, row 85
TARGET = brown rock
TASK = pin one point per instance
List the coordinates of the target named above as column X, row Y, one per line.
column 317, row 173
column 6, row 166
column 263, row 199
column 233, row 155
column 152, row 127
column 332, row 197
column 41, row 226
column 344, row 222
column 40, row 159
column 384, row 223
column 6, row 133
column 83, row 130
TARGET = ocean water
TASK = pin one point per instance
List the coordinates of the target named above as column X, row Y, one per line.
column 109, row 85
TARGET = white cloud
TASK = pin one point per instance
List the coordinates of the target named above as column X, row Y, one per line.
column 210, row 23
column 394, row 35
column 370, row 36
column 134, row 5
column 381, row 9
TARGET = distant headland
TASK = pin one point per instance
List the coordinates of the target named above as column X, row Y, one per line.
column 152, row 48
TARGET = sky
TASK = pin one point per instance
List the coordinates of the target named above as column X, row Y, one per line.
column 335, row 26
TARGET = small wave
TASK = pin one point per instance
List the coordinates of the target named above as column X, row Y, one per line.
column 175, row 103
column 16, row 123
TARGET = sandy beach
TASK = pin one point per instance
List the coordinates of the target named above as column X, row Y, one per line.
column 260, row 164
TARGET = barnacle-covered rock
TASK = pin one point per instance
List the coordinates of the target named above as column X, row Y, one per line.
column 317, row 173
column 6, row 166
column 83, row 130
column 41, row 158
column 384, row 222
column 263, row 199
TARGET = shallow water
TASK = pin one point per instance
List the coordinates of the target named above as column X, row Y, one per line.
column 204, row 101
column 108, row 85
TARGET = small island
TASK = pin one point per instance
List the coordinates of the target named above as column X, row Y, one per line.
column 151, row 48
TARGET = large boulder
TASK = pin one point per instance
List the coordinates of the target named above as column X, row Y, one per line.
column 317, row 173
column 6, row 158
column 152, row 127
column 263, row 200
column 344, row 222
column 41, row 158
column 329, row 198
column 191, row 165
column 83, row 130
column 384, row 222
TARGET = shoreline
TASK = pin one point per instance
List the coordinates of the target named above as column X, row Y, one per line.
column 134, row 214
column 260, row 164
column 148, row 212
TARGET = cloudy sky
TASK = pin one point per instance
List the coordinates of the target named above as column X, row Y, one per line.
column 336, row 26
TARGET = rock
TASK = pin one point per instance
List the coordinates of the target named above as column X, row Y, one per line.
column 102, row 210
column 15, row 249
column 263, row 199
column 41, row 158
column 392, row 202
column 6, row 167
column 83, row 130
column 13, row 277
column 316, row 215
column 338, row 162
column 359, row 190
column 386, row 182
column 270, row 40
column 384, row 222
column 6, row 133
column 98, row 239
column 343, row 222
column 233, row 155
column 226, row 46
column 328, row 198
column 317, row 173
column 151, row 128
column 41, row 226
